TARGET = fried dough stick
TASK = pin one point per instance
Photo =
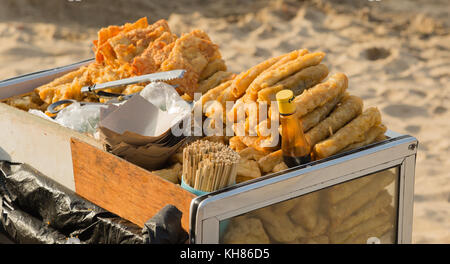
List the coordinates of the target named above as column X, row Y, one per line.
column 213, row 81
column 349, row 108
column 246, row 231
column 297, row 82
column 282, row 70
column 371, row 136
column 382, row 219
column 268, row 162
column 244, row 79
column 214, row 93
column 321, row 94
column 320, row 113
column 305, row 213
column 348, row 206
column 251, row 94
column 341, row 191
column 350, row 133
column 366, row 212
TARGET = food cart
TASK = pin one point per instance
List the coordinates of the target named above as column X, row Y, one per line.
column 345, row 182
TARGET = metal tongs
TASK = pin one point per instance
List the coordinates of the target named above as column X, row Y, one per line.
column 153, row 77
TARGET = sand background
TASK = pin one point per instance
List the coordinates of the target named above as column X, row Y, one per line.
column 396, row 54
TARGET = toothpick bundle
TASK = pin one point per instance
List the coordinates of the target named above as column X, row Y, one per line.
column 209, row 166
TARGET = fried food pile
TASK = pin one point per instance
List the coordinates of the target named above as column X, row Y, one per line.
column 333, row 120
column 348, row 213
column 135, row 49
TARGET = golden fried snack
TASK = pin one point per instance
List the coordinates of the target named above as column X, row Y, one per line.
column 247, row 170
column 268, row 162
column 350, row 133
column 320, row 113
column 378, row 231
column 237, row 111
column 297, row 82
column 213, row 81
column 251, row 153
column 369, row 210
column 245, row 231
column 214, row 93
column 340, row 211
column 214, row 66
column 283, row 207
column 341, row 191
column 286, row 66
column 192, row 52
column 261, row 143
column 46, row 92
column 280, row 167
column 349, row 108
column 236, row 144
column 278, row 226
column 382, row 219
column 155, row 54
column 102, row 48
column 270, row 77
column 306, row 210
column 26, row 101
column 371, row 136
column 171, row 174
column 244, row 79
column 320, row 94
column 125, row 46
column 323, row 223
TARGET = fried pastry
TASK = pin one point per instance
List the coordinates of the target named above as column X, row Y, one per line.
column 306, row 210
column 247, row 170
column 365, row 228
column 374, row 134
column 214, row 66
column 268, row 162
column 350, row 133
column 236, row 144
column 297, row 82
column 349, row 108
column 340, row 211
column 243, row 230
column 320, row 94
column 320, row 113
column 369, row 210
column 244, row 79
column 251, row 153
column 213, row 81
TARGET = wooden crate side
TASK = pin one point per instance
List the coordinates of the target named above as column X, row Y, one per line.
column 123, row 188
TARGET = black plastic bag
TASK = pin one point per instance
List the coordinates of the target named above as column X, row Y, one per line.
column 165, row 227
column 37, row 209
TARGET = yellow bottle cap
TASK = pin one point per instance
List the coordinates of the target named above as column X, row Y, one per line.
column 285, row 100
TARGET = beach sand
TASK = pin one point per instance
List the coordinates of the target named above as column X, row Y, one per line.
column 395, row 53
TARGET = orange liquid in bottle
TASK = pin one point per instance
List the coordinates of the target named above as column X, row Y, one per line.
column 296, row 150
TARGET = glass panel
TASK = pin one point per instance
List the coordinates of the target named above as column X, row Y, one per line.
column 363, row 210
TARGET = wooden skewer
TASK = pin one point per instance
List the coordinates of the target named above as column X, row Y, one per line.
column 209, row 166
